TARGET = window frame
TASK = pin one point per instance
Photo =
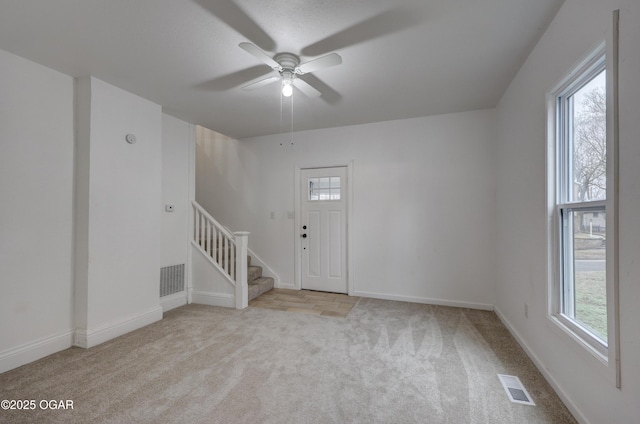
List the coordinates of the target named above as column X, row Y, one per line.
column 560, row 188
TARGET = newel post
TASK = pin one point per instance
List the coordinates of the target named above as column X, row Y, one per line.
column 242, row 289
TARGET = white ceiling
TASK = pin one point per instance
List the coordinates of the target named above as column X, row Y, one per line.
column 401, row 58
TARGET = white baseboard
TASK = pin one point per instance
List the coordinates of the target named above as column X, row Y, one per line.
column 213, row 299
column 285, row 286
column 173, row 301
column 32, row 351
column 426, row 300
column 566, row 399
column 93, row 337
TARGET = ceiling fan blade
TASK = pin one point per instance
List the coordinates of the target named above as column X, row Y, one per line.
column 234, row 16
column 261, row 83
column 250, row 48
column 320, row 63
column 234, row 79
column 388, row 22
column 306, row 88
column 329, row 95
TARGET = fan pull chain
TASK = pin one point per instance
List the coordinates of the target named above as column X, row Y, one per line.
column 291, row 120
column 281, row 107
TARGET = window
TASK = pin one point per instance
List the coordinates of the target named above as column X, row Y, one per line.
column 579, row 297
column 324, row 188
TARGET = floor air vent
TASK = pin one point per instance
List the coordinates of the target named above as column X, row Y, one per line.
column 515, row 390
column 171, row 279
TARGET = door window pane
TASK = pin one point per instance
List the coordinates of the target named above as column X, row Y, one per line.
column 324, row 188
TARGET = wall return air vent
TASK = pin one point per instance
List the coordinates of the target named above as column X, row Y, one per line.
column 171, row 280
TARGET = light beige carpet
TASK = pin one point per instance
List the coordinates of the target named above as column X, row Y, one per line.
column 387, row 362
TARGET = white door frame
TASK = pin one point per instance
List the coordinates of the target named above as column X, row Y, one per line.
column 298, row 223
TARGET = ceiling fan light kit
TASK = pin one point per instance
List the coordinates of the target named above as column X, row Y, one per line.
column 289, row 67
column 287, row 85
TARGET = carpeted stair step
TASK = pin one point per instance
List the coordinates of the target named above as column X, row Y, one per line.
column 254, row 272
column 259, row 286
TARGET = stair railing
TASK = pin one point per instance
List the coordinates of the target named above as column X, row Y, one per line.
column 226, row 251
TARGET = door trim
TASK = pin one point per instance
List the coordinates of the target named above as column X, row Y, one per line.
column 297, row 274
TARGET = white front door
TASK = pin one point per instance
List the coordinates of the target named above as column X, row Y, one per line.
column 323, row 229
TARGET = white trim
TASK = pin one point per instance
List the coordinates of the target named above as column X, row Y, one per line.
column 565, row 326
column 192, row 197
column 426, row 300
column 32, row 351
column 594, row 204
column 351, row 280
column 297, row 250
column 90, row 338
column 214, row 299
column 173, row 301
column 613, row 176
column 596, row 61
column 587, row 63
column 562, row 394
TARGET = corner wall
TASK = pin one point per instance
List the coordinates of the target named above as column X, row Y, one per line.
column 36, row 225
column 584, row 383
column 178, row 150
column 118, row 213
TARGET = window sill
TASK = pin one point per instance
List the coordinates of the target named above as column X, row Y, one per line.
column 564, row 330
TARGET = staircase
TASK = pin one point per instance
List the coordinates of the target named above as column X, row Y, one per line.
column 256, row 282
column 228, row 253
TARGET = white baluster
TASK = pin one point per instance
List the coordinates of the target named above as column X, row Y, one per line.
column 232, row 261
column 225, row 255
column 209, row 241
column 197, row 222
column 219, row 241
column 214, row 247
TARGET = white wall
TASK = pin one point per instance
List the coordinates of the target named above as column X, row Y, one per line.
column 178, row 190
column 178, row 145
column 586, row 384
column 121, row 210
column 36, row 188
column 423, row 211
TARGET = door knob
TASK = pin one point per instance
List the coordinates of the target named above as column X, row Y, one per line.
column 304, row 236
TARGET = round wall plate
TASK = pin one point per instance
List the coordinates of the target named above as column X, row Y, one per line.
column 130, row 138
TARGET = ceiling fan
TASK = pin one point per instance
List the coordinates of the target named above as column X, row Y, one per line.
column 289, row 67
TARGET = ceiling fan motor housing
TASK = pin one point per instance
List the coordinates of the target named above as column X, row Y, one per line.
column 287, row 61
